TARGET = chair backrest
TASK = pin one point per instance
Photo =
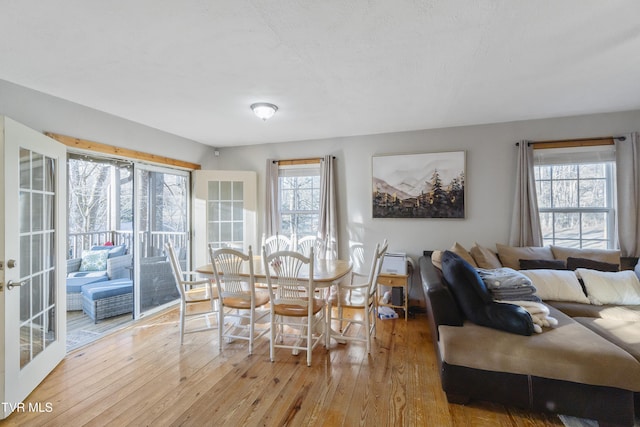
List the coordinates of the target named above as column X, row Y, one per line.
column 289, row 277
column 376, row 266
column 230, row 267
column 304, row 245
column 277, row 242
column 176, row 267
column 356, row 256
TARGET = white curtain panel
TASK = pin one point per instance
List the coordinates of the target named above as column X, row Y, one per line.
column 628, row 193
column 525, row 220
column 271, row 199
column 327, row 227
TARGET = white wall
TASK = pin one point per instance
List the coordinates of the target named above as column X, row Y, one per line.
column 490, row 169
column 46, row 113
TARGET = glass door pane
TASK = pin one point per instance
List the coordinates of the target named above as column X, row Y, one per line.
column 162, row 211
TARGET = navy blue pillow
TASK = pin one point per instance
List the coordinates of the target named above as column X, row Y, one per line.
column 476, row 302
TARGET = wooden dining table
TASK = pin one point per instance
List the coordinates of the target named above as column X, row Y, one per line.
column 326, row 272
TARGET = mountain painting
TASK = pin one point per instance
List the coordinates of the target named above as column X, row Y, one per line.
column 429, row 185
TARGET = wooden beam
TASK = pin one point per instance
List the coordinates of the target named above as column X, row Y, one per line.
column 84, row 144
column 567, row 143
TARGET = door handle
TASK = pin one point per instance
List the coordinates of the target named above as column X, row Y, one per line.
column 11, row 284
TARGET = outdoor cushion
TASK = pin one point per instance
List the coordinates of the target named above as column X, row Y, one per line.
column 94, row 274
column 75, row 284
column 114, row 251
column 108, row 288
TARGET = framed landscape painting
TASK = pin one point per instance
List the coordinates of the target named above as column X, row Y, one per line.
column 429, row 185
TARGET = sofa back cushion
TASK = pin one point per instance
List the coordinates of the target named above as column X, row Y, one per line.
column 610, row 256
column 556, row 285
column 476, row 302
column 510, row 256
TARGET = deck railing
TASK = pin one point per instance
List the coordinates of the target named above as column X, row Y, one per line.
column 151, row 242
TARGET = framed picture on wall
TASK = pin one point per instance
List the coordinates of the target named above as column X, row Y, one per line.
column 429, row 185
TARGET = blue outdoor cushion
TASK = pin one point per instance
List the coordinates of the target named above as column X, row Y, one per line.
column 75, row 284
column 114, row 251
column 108, row 288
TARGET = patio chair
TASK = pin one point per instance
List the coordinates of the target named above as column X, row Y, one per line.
column 239, row 300
column 193, row 291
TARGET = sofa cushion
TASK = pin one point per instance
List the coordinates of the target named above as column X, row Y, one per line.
column 476, row 301
column 620, row 312
column 575, row 263
column 621, row 287
column 610, row 256
column 623, row 333
column 542, row 264
column 510, row 256
column 556, row 285
column 578, row 354
column 459, row 250
column 484, row 257
column 94, row 260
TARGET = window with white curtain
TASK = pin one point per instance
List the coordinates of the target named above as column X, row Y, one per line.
column 576, row 196
column 299, row 199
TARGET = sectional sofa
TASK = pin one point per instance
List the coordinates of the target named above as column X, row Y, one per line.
column 588, row 365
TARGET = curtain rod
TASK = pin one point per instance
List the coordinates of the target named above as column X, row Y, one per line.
column 299, row 161
column 579, row 142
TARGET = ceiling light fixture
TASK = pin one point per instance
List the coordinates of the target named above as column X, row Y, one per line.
column 264, row 110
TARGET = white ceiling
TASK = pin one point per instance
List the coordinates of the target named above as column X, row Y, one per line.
column 334, row 67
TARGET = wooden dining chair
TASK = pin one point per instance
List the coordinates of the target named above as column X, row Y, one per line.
column 298, row 319
column 305, row 244
column 360, row 298
column 196, row 292
column 240, row 302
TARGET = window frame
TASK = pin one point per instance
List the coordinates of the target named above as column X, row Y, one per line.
column 579, row 156
column 308, row 169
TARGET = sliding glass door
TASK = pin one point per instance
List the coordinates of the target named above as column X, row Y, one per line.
column 162, row 215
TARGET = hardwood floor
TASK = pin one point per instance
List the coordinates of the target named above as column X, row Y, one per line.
column 140, row 375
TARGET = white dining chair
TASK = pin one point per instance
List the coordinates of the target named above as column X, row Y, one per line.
column 359, row 296
column 242, row 307
column 298, row 319
column 194, row 291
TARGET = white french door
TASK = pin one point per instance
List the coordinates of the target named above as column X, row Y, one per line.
column 32, row 268
column 224, row 211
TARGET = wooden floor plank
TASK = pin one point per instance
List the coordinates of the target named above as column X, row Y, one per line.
column 140, row 375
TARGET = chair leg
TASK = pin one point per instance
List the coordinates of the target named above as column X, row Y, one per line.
column 220, row 325
column 251, row 330
column 274, row 325
column 182, row 314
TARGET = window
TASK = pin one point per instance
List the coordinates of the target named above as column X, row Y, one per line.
column 299, row 199
column 575, row 191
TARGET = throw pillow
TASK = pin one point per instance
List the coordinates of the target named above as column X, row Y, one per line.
column 611, row 256
column 556, row 285
column 94, row 260
column 475, row 300
column 575, row 263
column 510, row 256
column 543, row 264
column 603, row 287
column 459, row 250
column 484, row 258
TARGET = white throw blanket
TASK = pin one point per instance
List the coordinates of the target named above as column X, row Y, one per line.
column 539, row 314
